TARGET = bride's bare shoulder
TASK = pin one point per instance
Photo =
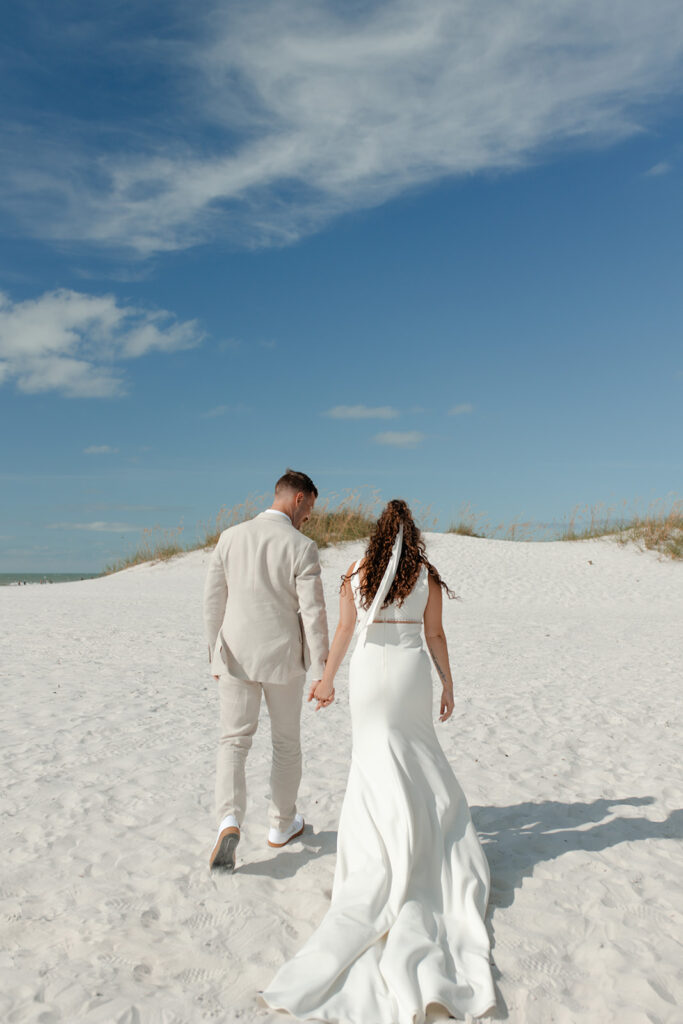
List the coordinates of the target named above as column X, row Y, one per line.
column 349, row 576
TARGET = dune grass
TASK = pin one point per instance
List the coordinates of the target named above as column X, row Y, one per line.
column 475, row 524
column 159, row 544
column 156, row 544
column 226, row 517
column 352, row 516
column 658, row 532
column 335, row 519
column 590, row 521
column 659, row 528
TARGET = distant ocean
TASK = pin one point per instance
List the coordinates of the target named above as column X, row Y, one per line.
column 8, row 579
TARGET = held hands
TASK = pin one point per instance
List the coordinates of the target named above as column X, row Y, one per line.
column 322, row 692
column 447, row 704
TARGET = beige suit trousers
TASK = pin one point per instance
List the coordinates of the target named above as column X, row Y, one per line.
column 240, row 703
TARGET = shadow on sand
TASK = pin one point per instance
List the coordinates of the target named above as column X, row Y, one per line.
column 286, row 862
column 518, row 837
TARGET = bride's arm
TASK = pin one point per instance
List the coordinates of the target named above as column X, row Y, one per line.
column 438, row 648
column 323, row 692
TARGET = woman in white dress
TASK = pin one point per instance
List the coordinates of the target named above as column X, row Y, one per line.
column 405, row 928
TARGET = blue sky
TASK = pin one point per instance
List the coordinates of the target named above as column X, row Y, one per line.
column 426, row 250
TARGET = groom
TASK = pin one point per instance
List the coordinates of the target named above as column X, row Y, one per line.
column 265, row 621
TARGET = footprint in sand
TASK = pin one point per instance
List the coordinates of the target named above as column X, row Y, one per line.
column 149, row 916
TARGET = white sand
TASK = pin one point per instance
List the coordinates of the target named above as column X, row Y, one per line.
column 568, row 681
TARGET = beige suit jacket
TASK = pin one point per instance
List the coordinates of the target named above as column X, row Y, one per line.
column 264, row 609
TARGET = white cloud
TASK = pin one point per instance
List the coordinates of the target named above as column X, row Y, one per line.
column 223, row 410
column 661, row 168
column 361, row 412
column 100, row 449
column 295, row 113
column 69, row 342
column 400, row 439
column 461, row 410
column 230, row 345
column 97, row 527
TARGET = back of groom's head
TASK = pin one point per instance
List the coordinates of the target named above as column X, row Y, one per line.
column 292, row 480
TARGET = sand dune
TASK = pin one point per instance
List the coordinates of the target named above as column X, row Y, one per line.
column 565, row 738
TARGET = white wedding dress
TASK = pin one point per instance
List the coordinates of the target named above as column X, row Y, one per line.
column 405, row 927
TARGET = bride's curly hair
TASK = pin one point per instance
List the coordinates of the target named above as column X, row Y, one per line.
column 378, row 553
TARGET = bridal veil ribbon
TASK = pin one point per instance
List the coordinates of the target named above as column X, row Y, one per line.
column 366, row 618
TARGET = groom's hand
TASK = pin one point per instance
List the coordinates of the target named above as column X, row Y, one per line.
column 322, row 693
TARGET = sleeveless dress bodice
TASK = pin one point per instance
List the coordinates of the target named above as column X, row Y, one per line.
column 398, row 625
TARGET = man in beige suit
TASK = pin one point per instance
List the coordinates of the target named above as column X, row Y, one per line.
column 265, row 620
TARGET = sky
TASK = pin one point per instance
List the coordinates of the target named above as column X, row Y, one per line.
column 429, row 251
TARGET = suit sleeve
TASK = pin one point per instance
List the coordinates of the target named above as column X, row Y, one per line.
column 309, row 589
column 215, row 598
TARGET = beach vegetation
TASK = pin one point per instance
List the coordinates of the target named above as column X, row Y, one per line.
column 341, row 518
column 335, row 519
column 228, row 516
column 352, row 515
column 657, row 528
column 156, row 544
column 469, row 523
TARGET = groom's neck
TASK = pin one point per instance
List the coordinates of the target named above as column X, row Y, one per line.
column 281, row 506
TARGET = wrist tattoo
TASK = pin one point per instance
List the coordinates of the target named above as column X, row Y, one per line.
column 438, row 667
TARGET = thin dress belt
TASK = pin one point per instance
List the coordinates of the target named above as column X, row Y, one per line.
column 395, row 622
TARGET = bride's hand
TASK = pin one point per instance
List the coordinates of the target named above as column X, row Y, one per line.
column 322, row 692
column 447, row 704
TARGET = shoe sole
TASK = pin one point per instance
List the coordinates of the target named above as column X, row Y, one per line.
column 223, row 853
column 278, row 846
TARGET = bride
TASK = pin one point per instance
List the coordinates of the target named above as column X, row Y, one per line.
column 405, row 928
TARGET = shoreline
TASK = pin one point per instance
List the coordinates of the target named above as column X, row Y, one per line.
column 17, row 579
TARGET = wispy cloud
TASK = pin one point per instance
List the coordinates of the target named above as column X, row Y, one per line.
column 230, row 345
column 223, row 410
column 461, row 410
column 69, row 342
column 111, row 506
column 100, row 449
column 400, row 438
column 361, row 412
column 294, row 113
column 97, row 527
column 658, row 169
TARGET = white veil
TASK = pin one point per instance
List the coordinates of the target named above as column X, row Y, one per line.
column 366, row 617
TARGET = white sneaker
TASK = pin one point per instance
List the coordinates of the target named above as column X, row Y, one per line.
column 277, row 838
column 223, row 853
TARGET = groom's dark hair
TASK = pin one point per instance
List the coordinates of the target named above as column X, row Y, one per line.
column 292, row 480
